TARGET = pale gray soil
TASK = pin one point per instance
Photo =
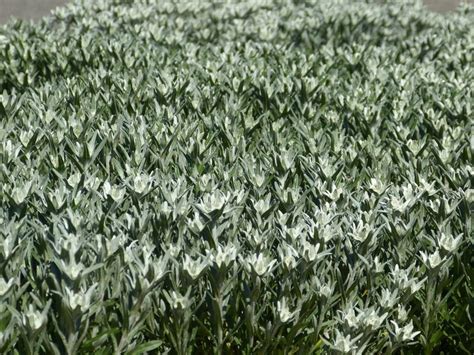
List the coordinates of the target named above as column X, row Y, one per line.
column 34, row 9
column 444, row 5
column 27, row 9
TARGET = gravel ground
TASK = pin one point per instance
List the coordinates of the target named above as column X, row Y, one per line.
column 34, row 9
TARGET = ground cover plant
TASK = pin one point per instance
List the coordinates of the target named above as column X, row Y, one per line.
column 262, row 177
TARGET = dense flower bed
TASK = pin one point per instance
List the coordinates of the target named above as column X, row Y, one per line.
column 258, row 177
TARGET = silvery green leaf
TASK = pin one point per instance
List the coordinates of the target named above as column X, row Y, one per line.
column 6, row 286
column 8, row 245
column 469, row 195
column 4, row 337
column 19, row 194
column 287, row 159
column 416, row 286
column 106, row 188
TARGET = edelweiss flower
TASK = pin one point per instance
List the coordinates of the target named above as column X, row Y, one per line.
column 79, row 299
column 260, row 264
column 414, row 146
column 141, row 183
column 360, row 231
column 263, row 205
column 448, row 242
column 213, row 202
column 225, row 256
column 433, row 260
column 113, row 244
column 284, row 312
column 388, row 298
column 405, row 333
column 71, row 243
column 428, row 188
column 377, row 186
column 351, row 318
column 289, row 256
column 33, row 318
column 72, row 269
column 74, row 179
column 402, row 278
column 326, row 291
column 117, row 193
column 345, row 344
column 398, row 204
column 371, row 318
column 8, row 245
column 402, row 313
column 310, row 251
column 194, row 267
column 196, row 224
column 334, row 193
column 179, row 301
column 379, row 267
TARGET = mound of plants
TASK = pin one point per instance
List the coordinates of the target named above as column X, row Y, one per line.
column 237, row 177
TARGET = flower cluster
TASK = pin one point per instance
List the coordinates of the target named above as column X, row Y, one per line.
column 237, row 177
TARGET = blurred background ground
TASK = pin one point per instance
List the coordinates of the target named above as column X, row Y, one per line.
column 27, row 9
column 442, row 5
column 34, row 9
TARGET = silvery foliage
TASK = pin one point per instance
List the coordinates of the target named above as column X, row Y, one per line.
column 267, row 176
